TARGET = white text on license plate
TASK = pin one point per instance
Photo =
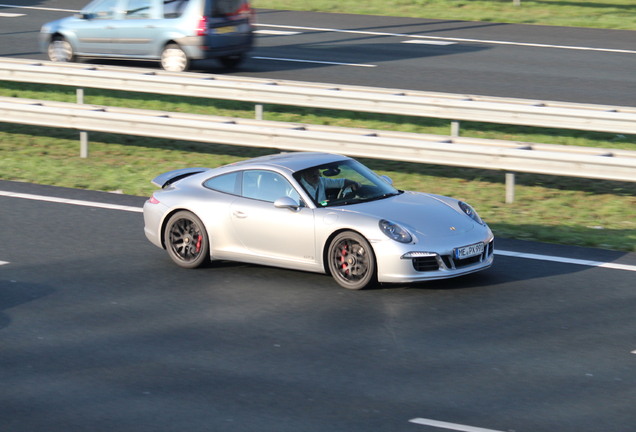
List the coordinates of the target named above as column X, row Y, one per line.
column 222, row 30
column 469, row 251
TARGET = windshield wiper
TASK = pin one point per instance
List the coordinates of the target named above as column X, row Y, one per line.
column 386, row 195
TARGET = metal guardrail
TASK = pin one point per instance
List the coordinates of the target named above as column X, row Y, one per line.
column 456, row 107
column 619, row 165
column 605, row 164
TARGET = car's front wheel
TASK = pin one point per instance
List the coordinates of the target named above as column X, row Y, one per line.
column 186, row 240
column 60, row 50
column 174, row 59
column 351, row 261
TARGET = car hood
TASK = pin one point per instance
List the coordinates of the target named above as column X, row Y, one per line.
column 419, row 212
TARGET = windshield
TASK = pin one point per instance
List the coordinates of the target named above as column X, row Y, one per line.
column 342, row 183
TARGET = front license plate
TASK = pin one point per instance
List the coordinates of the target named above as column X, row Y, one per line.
column 469, row 251
column 223, row 30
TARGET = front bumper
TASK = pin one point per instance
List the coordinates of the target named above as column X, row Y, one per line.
column 430, row 265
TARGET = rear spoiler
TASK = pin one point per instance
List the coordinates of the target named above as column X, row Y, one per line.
column 167, row 178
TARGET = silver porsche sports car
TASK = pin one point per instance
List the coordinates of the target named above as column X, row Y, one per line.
column 315, row 212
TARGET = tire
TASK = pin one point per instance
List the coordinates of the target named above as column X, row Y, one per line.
column 351, row 261
column 174, row 59
column 186, row 240
column 60, row 50
column 231, row 62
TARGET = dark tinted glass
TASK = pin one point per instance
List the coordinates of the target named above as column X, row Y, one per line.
column 221, row 8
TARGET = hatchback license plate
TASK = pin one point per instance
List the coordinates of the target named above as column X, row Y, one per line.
column 223, row 30
column 469, row 251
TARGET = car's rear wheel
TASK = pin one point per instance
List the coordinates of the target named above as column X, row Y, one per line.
column 186, row 240
column 174, row 59
column 351, row 261
column 60, row 50
column 231, row 61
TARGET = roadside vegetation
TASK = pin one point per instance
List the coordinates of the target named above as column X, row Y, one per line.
column 608, row 14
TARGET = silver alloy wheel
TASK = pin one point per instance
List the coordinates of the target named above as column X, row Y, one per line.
column 351, row 261
column 186, row 240
column 173, row 59
column 60, row 50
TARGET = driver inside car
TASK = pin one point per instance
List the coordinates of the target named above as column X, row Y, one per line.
column 316, row 185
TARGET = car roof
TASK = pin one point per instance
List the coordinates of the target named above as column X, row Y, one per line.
column 293, row 162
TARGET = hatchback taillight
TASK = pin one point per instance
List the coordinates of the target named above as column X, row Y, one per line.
column 202, row 27
column 153, row 200
column 246, row 10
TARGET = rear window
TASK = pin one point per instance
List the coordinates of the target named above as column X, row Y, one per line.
column 221, row 8
column 174, row 8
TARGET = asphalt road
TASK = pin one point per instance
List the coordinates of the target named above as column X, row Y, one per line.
column 99, row 331
column 533, row 62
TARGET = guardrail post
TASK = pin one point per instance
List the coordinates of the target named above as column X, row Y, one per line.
column 83, row 134
column 510, row 188
column 455, row 128
column 259, row 111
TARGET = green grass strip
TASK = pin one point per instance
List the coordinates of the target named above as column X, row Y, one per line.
column 550, row 209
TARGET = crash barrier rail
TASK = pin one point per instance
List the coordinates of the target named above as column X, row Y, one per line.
column 619, row 165
column 489, row 154
column 454, row 107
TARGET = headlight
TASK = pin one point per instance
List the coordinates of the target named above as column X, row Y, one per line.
column 395, row 232
column 470, row 212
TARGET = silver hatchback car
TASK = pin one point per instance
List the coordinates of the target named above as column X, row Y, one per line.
column 175, row 32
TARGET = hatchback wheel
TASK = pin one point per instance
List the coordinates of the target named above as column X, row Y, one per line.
column 351, row 261
column 60, row 50
column 186, row 240
column 174, row 59
column 231, row 61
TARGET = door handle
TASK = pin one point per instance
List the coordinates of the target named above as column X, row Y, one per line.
column 239, row 214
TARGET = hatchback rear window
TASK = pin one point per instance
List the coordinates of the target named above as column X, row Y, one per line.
column 221, row 8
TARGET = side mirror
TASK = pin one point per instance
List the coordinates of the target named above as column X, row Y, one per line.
column 287, row 202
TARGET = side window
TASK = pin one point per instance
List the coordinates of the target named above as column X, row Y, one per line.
column 267, row 186
column 138, row 9
column 102, row 10
column 173, row 8
column 228, row 183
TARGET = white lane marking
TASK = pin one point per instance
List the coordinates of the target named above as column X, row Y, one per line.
column 446, row 425
column 314, row 61
column 564, row 260
column 39, row 8
column 453, row 39
column 428, row 42
column 4, row 262
column 277, row 32
column 10, row 15
column 71, row 201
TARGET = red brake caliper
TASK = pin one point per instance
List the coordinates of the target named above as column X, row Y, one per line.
column 199, row 239
column 343, row 263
